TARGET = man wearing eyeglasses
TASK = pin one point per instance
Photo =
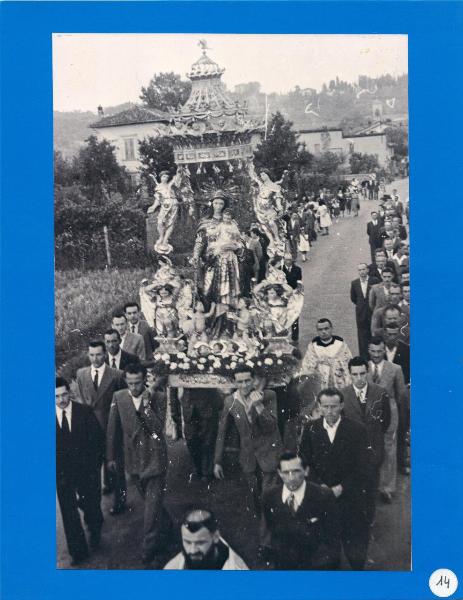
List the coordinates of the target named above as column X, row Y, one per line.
column 203, row 547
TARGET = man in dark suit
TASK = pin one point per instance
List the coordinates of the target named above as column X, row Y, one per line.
column 117, row 358
column 248, row 429
column 138, row 325
column 200, row 410
column 380, row 263
column 398, row 353
column 97, row 385
column 301, row 520
column 336, row 450
column 293, row 275
column 359, row 295
column 135, row 437
column 379, row 293
column 368, row 403
column 373, row 229
column 79, row 455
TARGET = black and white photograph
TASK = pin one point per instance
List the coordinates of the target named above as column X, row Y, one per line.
column 232, row 301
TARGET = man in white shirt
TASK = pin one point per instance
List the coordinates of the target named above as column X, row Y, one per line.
column 337, row 452
column 301, row 520
column 203, row 547
column 137, row 325
column 130, row 342
column 79, row 455
column 117, row 358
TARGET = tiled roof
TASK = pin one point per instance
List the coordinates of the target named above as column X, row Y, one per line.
column 136, row 114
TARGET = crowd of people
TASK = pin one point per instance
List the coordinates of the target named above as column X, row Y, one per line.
column 316, row 454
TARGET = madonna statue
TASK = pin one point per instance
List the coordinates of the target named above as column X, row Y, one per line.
column 216, row 255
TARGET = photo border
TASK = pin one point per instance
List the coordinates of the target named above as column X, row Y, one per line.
column 27, row 343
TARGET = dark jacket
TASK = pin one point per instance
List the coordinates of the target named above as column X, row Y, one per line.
column 308, row 539
column 126, row 359
column 376, row 417
column 362, row 307
column 293, row 275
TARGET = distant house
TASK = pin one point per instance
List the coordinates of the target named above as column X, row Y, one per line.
column 325, row 139
column 125, row 129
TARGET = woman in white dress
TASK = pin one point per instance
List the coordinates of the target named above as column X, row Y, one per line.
column 304, row 244
column 325, row 219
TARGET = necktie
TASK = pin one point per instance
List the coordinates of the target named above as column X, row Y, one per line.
column 133, row 328
column 375, row 373
column 291, row 502
column 361, row 402
column 95, row 380
column 114, row 363
column 64, row 424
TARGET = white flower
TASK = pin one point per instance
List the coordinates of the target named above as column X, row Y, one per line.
column 249, row 363
column 216, row 365
column 211, row 357
column 259, row 362
column 233, row 365
column 278, row 353
column 157, row 356
column 173, row 366
column 202, row 360
column 241, row 360
column 268, row 361
column 181, row 355
column 165, row 357
column 201, row 367
column 279, row 361
column 185, row 366
column 227, row 367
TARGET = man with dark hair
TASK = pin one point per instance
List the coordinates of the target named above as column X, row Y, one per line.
column 301, row 520
column 368, row 403
column 79, row 455
column 327, row 356
column 97, row 385
column 380, row 263
column 373, row 229
column 377, row 318
column 293, row 275
column 359, row 295
column 389, row 376
column 135, row 438
column 379, row 293
column 337, row 452
column 398, row 353
column 130, row 342
column 248, row 429
column 138, row 325
column 117, row 358
column 203, row 547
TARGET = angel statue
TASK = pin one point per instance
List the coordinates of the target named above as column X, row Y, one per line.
column 166, row 301
column 166, row 199
column 277, row 305
column 269, row 209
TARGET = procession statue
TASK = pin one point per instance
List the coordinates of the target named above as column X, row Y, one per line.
column 167, row 196
column 166, row 302
column 217, row 253
column 277, row 305
column 268, row 206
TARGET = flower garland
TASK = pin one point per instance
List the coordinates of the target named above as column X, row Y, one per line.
column 272, row 364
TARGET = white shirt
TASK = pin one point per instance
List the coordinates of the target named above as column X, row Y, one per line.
column 364, row 286
column 331, row 429
column 116, row 357
column 390, row 353
column 100, row 370
column 68, row 411
column 379, row 367
column 298, row 495
column 361, row 393
column 137, row 401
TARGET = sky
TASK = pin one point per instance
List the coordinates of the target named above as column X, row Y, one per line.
column 110, row 69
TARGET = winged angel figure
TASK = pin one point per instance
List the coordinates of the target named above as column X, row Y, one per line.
column 167, row 197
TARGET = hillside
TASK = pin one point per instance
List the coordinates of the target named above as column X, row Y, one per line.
column 339, row 103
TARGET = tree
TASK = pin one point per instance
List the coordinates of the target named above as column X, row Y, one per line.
column 156, row 155
column 281, row 150
column 97, row 170
column 363, row 163
column 64, row 174
column 166, row 91
column 328, row 163
column 398, row 137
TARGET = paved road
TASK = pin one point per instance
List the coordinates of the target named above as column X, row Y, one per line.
column 327, row 275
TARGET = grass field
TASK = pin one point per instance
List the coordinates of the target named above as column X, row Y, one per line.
column 84, row 302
